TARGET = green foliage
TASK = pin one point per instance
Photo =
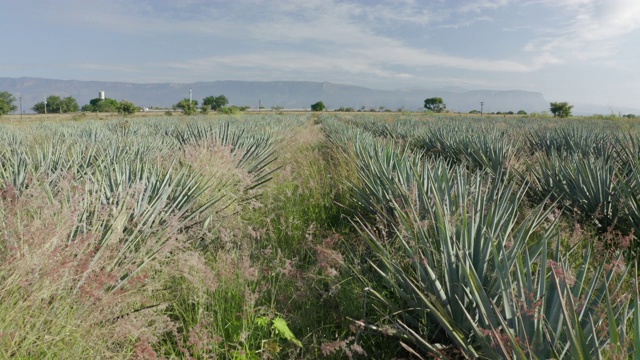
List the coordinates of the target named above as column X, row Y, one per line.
column 39, row 107
column 343, row 109
column 69, row 104
column 187, row 107
column 102, row 105
column 435, row 104
column 56, row 104
column 232, row 110
column 7, row 103
column 319, row 106
column 215, row 103
column 521, row 112
column 4, row 107
column 279, row 328
column 127, row 108
column 560, row 109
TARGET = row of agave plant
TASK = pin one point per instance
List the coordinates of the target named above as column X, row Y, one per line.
column 114, row 197
column 590, row 169
column 469, row 246
column 139, row 160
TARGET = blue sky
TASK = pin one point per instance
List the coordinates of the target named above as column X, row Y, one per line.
column 581, row 51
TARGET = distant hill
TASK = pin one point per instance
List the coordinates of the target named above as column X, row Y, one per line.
column 288, row 94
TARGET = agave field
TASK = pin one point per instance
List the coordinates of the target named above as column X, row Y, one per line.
column 320, row 236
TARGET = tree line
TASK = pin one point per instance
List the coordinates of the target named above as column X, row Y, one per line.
column 59, row 105
column 558, row 109
column 209, row 103
column 55, row 104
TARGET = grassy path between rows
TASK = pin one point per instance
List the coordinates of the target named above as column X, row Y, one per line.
column 307, row 242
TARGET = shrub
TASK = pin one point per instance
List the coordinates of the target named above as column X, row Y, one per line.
column 127, row 108
column 319, row 106
column 231, row 110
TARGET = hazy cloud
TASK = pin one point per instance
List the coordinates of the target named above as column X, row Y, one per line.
column 592, row 28
column 480, row 5
column 390, row 43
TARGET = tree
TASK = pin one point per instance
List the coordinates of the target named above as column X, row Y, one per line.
column 39, row 107
column 187, row 107
column 560, row 109
column 4, row 107
column 8, row 100
column 69, row 104
column 216, row 102
column 102, row 105
column 127, row 108
column 56, row 104
column 435, row 104
column 522, row 112
column 319, row 106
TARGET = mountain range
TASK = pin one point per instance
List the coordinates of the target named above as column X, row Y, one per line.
column 287, row 94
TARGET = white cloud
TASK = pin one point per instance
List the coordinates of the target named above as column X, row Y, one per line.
column 347, row 37
column 467, row 22
column 593, row 29
column 481, row 5
column 308, row 38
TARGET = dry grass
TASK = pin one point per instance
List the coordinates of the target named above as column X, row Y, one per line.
column 59, row 295
column 84, row 275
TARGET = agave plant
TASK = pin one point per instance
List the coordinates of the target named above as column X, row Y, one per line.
column 462, row 270
column 572, row 140
column 476, row 147
column 586, row 186
column 256, row 151
column 475, row 276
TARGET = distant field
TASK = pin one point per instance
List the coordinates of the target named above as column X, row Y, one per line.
column 160, row 113
column 318, row 235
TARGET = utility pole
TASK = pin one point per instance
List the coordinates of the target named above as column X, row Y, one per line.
column 481, row 107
